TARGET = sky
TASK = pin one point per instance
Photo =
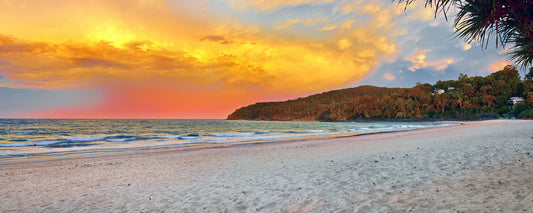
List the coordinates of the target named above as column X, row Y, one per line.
column 199, row 59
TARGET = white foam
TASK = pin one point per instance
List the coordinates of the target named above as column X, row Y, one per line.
column 246, row 134
column 85, row 139
column 41, row 143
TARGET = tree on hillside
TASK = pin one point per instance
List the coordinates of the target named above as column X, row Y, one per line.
column 529, row 76
column 509, row 21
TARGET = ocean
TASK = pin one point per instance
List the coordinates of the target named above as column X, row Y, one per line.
column 42, row 139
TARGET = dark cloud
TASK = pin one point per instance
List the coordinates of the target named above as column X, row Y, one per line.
column 10, row 44
column 77, row 64
column 91, row 62
column 140, row 45
column 216, row 38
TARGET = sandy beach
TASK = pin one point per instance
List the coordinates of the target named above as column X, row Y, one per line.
column 484, row 166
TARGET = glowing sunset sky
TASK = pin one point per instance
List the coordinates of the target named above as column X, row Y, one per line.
column 205, row 58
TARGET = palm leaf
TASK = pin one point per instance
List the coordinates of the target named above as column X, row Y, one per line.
column 507, row 21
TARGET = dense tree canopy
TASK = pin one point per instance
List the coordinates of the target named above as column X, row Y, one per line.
column 465, row 98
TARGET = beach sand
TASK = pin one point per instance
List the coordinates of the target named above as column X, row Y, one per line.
column 482, row 166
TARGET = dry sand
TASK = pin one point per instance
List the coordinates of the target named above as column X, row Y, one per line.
column 476, row 167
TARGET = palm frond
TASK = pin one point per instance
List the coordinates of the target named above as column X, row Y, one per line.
column 505, row 21
column 441, row 6
column 509, row 21
column 522, row 51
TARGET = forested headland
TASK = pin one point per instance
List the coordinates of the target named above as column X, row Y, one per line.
column 467, row 98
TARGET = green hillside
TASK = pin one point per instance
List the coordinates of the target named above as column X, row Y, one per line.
column 467, row 98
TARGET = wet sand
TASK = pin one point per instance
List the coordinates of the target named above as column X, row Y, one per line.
column 475, row 167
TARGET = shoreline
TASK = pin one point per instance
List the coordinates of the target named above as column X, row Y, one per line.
column 391, row 172
column 96, row 153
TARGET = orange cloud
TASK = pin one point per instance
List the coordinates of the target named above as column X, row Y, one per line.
column 274, row 4
column 176, row 48
column 328, row 28
column 176, row 52
column 211, row 60
column 361, row 7
column 348, row 24
column 419, row 11
column 344, row 43
column 389, row 77
column 419, row 60
column 306, row 22
column 498, row 65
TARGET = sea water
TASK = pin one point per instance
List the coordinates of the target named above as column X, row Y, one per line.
column 41, row 139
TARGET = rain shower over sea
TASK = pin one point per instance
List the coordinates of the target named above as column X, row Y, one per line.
column 42, row 139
